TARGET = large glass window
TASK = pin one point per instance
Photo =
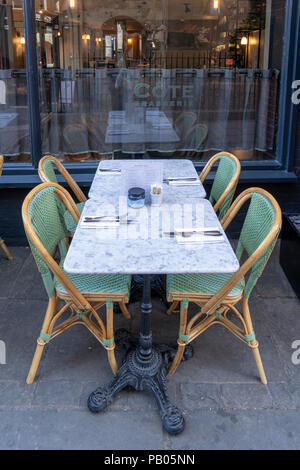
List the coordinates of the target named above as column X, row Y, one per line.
column 161, row 78
column 14, row 127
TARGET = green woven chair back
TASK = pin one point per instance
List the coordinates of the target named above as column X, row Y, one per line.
column 195, row 138
column 46, row 215
column 188, row 120
column 49, row 170
column 258, row 222
column 199, row 134
column 225, row 172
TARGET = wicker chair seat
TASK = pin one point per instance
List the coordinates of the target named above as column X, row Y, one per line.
column 95, row 285
column 202, row 285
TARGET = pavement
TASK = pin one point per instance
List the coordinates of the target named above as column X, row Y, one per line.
column 224, row 404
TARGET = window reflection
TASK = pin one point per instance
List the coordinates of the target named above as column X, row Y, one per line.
column 14, row 128
column 153, row 78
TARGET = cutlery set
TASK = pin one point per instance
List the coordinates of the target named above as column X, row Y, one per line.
column 105, row 221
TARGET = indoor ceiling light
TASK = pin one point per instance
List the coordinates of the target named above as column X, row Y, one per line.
column 244, row 41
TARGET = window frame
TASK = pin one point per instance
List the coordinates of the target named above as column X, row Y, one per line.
column 279, row 169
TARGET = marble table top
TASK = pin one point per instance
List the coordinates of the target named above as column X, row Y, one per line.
column 144, row 248
column 105, row 187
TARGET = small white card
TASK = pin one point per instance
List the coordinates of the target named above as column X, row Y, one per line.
column 198, row 238
column 142, row 174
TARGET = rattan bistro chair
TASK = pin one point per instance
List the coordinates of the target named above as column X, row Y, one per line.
column 47, row 175
column 225, row 181
column 184, row 122
column 42, row 214
column 218, row 294
column 193, row 141
column 2, row 244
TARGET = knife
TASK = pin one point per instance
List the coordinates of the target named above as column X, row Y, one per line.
column 189, row 233
column 183, row 178
column 111, row 170
column 129, row 221
column 106, row 217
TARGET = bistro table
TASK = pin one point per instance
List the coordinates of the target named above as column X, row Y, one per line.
column 109, row 251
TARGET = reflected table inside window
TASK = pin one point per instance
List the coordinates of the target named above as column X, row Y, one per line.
column 148, row 127
column 6, row 118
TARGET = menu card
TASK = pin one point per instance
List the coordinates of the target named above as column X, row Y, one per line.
column 141, row 174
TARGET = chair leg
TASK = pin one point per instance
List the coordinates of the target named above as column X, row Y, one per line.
column 177, row 358
column 172, row 308
column 124, row 310
column 182, row 331
column 253, row 344
column 41, row 343
column 5, row 250
column 110, row 335
column 260, row 366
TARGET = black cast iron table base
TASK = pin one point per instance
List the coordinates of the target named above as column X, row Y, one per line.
column 145, row 367
column 157, row 286
column 141, row 375
column 137, row 283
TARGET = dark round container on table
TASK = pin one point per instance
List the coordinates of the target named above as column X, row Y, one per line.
column 136, row 198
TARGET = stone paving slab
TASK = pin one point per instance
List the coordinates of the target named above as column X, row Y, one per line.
column 79, row 429
column 9, row 270
column 219, row 391
column 239, row 429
